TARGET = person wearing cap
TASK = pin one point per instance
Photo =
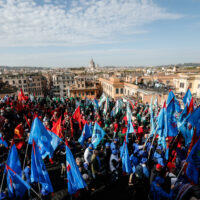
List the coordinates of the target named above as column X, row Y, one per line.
column 114, row 165
column 145, row 169
column 158, row 157
column 134, row 159
column 158, row 170
column 107, row 154
column 88, row 153
column 114, row 144
column 114, row 160
column 157, row 192
column 170, row 177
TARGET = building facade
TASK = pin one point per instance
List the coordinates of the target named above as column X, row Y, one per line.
column 30, row 83
column 112, row 87
column 185, row 81
column 85, row 86
column 61, row 82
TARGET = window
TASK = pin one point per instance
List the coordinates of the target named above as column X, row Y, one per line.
column 121, row 90
column 190, row 85
column 20, row 81
column 24, row 81
column 87, row 93
column 78, row 85
column 117, row 90
column 181, row 85
column 13, row 82
column 92, row 93
column 82, row 85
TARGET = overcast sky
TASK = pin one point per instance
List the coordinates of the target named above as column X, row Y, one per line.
column 59, row 33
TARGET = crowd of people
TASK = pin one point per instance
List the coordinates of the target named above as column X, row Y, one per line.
column 152, row 175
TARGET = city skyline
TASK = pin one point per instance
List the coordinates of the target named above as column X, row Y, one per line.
column 69, row 33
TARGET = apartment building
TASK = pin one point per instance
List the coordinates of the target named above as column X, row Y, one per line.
column 189, row 80
column 61, row 82
column 30, row 83
column 85, row 86
column 112, row 87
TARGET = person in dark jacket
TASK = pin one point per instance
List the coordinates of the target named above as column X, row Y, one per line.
column 157, row 193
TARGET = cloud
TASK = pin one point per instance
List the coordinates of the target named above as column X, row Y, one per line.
column 80, row 22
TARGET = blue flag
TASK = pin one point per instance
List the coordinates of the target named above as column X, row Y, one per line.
column 96, row 105
column 185, row 131
column 176, row 102
column 187, row 98
column 171, row 119
column 13, row 160
column 162, row 126
column 126, row 163
column 16, row 184
column 2, row 141
column 98, row 135
column 130, row 129
column 194, row 163
column 14, row 163
column 46, row 140
column 75, row 180
column 194, row 120
column 55, row 141
column 86, row 133
column 38, row 170
column 183, row 114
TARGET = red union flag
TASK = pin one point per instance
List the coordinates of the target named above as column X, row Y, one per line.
column 21, row 96
column 77, row 114
column 57, row 129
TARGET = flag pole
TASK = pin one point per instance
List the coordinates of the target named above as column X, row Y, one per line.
column 2, row 182
column 36, row 193
column 39, row 190
column 25, row 157
column 152, row 144
column 180, row 172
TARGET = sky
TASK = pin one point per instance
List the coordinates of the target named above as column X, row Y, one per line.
column 68, row 33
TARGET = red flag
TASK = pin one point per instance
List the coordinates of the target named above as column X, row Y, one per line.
column 35, row 115
column 21, row 96
column 125, row 119
column 191, row 106
column 131, row 104
column 72, row 130
column 18, row 134
column 77, row 114
column 57, row 129
column 28, row 123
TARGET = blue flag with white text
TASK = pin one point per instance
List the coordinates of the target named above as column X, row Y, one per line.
column 171, row 119
column 38, row 169
column 46, row 140
column 97, row 135
column 14, row 163
column 187, row 98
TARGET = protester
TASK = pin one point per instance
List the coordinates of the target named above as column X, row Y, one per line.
column 154, row 158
